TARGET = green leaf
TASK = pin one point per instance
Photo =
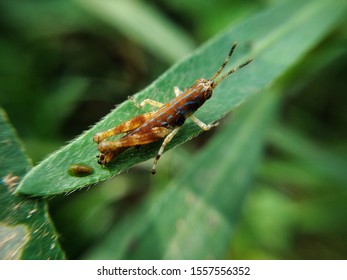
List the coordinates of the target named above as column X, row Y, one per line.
column 277, row 38
column 143, row 24
column 207, row 199
column 325, row 163
column 26, row 232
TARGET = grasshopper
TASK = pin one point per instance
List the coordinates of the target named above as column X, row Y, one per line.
column 165, row 122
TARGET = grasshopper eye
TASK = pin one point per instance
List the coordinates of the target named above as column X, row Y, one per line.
column 208, row 93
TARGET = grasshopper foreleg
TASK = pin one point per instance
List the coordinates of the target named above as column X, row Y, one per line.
column 201, row 124
column 177, row 91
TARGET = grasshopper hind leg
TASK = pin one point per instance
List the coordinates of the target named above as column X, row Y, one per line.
column 106, row 157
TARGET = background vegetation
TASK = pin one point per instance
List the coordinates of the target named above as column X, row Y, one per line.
column 275, row 190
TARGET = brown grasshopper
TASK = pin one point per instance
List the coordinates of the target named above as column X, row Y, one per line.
column 165, row 122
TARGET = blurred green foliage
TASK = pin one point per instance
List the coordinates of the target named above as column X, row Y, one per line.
column 65, row 64
column 26, row 231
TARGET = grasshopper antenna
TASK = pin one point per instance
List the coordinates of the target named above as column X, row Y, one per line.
column 225, row 61
column 216, row 83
